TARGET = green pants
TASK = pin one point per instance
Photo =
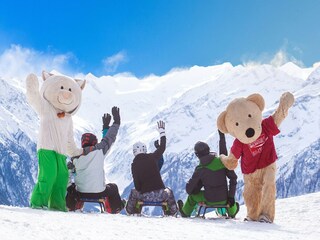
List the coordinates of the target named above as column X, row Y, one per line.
column 193, row 199
column 50, row 190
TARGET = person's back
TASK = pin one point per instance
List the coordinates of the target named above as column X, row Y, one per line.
column 146, row 176
column 90, row 175
column 89, row 179
column 145, row 169
column 211, row 175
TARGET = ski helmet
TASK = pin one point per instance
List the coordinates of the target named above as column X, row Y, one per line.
column 138, row 148
column 201, row 149
column 88, row 139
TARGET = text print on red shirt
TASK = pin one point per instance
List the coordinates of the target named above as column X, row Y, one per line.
column 257, row 146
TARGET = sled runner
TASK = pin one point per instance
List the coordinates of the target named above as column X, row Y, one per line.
column 220, row 209
column 100, row 201
column 164, row 205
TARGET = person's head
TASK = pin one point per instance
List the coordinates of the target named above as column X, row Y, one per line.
column 201, row 149
column 88, row 139
column 138, row 148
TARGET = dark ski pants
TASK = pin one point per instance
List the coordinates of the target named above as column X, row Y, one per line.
column 153, row 196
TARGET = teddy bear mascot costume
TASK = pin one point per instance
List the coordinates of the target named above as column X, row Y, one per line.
column 255, row 147
column 58, row 99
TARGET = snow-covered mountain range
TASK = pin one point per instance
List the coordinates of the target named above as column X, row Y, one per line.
column 189, row 101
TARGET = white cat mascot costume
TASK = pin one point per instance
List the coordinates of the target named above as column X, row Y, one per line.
column 58, row 99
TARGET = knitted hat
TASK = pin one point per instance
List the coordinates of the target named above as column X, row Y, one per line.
column 201, row 149
column 88, row 139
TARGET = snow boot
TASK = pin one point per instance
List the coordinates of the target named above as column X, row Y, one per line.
column 232, row 211
column 79, row 205
column 123, row 203
column 180, row 206
column 107, row 206
column 221, row 212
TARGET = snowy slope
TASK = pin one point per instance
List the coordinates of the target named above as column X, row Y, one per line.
column 189, row 101
column 295, row 219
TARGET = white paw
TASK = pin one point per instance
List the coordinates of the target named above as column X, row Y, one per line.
column 32, row 81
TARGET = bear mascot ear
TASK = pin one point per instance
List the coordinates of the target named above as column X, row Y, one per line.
column 257, row 99
column 221, row 122
column 81, row 83
column 45, row 75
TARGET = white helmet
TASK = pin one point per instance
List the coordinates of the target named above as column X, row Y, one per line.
column 138, row 148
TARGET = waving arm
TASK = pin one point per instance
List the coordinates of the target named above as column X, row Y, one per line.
column 33, row 94
column 286, row 102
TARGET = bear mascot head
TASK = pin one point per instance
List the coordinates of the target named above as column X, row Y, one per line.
column 62, row 92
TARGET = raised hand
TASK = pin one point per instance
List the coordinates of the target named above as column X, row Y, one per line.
column 161, row 128
column 33, row 94
column 287, row 100
column 116, row 115
column 106, row 118
column 70, row 165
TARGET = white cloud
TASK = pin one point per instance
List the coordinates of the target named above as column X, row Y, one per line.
column 17, row 62
column 111, row 63
column 284, row 55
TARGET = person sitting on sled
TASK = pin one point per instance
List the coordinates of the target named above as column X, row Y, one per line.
column 147, row 179
column 89, row 179
column 212, row 175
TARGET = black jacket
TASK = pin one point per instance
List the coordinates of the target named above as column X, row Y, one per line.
column 212, row 175
column 145, row 170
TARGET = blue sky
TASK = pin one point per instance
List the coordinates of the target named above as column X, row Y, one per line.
column 152, row 37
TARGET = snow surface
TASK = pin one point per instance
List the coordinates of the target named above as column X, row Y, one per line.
column 296, row 218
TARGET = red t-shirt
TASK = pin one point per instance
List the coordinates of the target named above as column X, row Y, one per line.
column 261, row 152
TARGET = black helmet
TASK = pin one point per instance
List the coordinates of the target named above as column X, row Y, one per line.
column 201, row 149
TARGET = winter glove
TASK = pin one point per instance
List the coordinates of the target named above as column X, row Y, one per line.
column 116, row 115
column 221, row 134
column 70, row 165
column 161, row 128
column 106, row 118
column 231, row 201
column 222, row 144
column 156, row 144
